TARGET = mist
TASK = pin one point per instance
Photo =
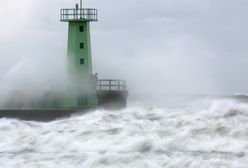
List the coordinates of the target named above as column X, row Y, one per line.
column 160, row 47
column 183, row 61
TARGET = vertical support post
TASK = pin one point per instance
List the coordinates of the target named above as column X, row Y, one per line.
column 76, row 11
column 74, row 14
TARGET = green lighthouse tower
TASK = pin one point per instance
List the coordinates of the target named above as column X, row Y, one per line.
column 82, row 92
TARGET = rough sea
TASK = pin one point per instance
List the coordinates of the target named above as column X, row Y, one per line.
column 204, row 133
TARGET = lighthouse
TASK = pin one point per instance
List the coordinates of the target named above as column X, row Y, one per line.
column 82, row 91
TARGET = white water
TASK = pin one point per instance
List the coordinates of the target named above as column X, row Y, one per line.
column 205, row 133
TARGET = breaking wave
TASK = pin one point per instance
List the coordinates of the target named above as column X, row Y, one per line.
column 209, row 132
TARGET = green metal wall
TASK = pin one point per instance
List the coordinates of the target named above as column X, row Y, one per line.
column 75, row 53
column 83, row 92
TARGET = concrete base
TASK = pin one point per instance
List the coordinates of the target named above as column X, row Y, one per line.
column 106, row 99
column 42, row 115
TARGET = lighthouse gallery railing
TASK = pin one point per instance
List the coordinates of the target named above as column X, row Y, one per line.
column 111, row 85
column 78, row 14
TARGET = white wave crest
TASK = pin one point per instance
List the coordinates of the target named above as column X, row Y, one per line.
column 205, row 133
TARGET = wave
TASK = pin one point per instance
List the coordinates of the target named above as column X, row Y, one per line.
column 208, row 132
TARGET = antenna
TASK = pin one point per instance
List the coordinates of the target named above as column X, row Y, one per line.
column 81, row 8
column 81, row 4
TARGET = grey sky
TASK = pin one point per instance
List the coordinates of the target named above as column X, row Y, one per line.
column 177, row 46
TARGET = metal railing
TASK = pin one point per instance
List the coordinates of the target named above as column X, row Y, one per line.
column 111, row 85
column 78, row 14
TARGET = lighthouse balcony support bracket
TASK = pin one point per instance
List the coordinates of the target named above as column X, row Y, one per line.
column 84, row 14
